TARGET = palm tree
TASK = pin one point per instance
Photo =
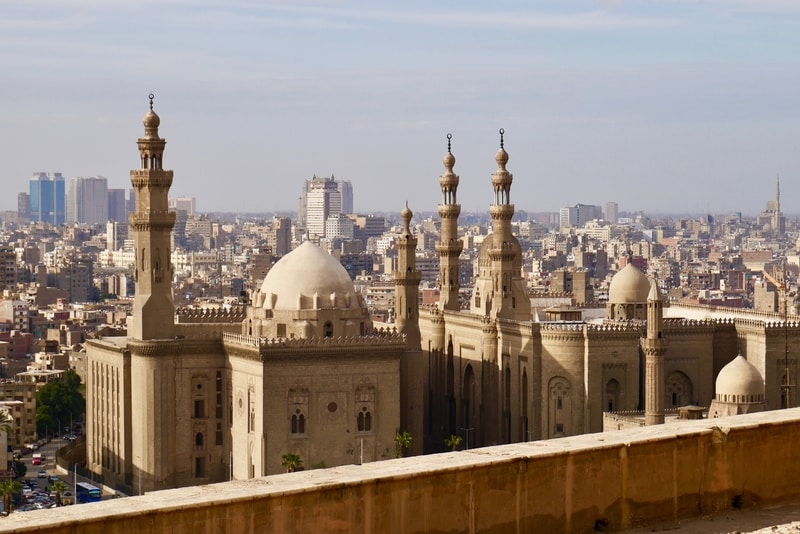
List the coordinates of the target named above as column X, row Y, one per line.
column 453, row 441
column 291, row 462
column 403, row 441
column 6, row 422
column 8, row 488
column 58, row 487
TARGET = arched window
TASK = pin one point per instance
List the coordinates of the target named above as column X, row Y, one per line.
column 298, row 422
column 364, row 423
column 328, row 329
column 198, row 439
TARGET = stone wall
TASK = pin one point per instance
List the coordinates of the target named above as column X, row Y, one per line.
column 616, row 480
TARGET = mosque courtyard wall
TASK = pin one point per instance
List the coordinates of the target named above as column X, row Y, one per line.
column 613, row 480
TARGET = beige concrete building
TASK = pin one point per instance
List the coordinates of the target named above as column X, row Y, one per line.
column 198, row 397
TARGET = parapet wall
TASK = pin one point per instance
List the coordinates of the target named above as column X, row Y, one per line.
column 613, row 480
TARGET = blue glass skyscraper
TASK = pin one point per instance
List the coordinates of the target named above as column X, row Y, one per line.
column 47, row 198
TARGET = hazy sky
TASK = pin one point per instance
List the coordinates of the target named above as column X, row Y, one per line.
column 665, row 106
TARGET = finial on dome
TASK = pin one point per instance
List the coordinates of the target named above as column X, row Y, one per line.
column 151, row 96
column 502, row 156
column 449, row 159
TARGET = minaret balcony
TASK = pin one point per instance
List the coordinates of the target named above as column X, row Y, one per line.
column 449, row 211
column 147, row 220
column 502, row 212
column 151, row 177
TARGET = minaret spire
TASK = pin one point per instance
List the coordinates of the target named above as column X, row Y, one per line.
column 152, row 222
column 449, row 246
column 406, row 282
column 654, row 346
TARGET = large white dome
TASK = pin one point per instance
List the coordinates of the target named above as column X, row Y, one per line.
column 740, row 379
column 630, row 285
column 308, row 278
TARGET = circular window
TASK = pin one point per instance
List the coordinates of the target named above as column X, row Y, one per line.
column 332, row 407
column 199, row 386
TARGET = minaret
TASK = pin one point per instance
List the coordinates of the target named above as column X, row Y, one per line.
column 449, row 246
column 406, row 283
column 152, row 222
column 509, row 295
column 654, row 346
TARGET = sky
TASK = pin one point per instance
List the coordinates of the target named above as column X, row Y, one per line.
column 664, row 106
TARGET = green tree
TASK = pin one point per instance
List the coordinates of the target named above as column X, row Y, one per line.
column 291, row 461
column 453, row 441
column 403, row 441
column 58, row 487
column 9, row 488
column 19, row 468
column 59, row 402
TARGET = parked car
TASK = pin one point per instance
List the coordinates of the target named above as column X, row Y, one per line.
column 42, row 474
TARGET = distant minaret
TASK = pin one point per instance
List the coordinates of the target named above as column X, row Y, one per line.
column 406, row 283
column 654, row 346
column 152, row 222
column 778, row 194
column 449, row 246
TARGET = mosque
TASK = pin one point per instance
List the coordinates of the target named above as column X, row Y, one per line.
column 191, row 398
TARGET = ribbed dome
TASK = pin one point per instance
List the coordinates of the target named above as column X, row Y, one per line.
column 740, row 378
column 630, row 285
column 305, row 275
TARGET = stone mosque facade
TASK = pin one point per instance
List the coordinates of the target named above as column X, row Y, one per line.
column 191, row 398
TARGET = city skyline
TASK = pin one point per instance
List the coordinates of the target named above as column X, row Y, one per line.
column 659, row 106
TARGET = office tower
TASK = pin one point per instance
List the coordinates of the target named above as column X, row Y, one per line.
column 116, row 205
column 23, row 207
column 322, row 201
column 131, row 204
column 346, row 190
column 612, row 212
column 187, row 204
column 47, row 198
column 343, row 191
column 87, row 200
column 116, row 234
column 578, row 215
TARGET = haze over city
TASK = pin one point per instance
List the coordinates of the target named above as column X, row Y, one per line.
column 666, row 106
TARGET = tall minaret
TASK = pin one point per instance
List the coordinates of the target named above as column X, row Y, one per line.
column 152, row 222
column 509, row 295
column 654, row 346
column 449, row 246
column 406, row 284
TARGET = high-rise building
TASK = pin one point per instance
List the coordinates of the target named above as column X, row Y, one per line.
column 612, row 212
column 343, row 193
column 87, row 200
column 187, row 204
column 23, row 207
column 47, row 198
column 117, row 210
column 323, row 200
column 578, row 215
column 346, row 189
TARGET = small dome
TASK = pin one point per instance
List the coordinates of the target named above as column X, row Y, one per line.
column 308, row 273
column 406, row 213
column 151, row 120
column 740, row 377
column 630, row 285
